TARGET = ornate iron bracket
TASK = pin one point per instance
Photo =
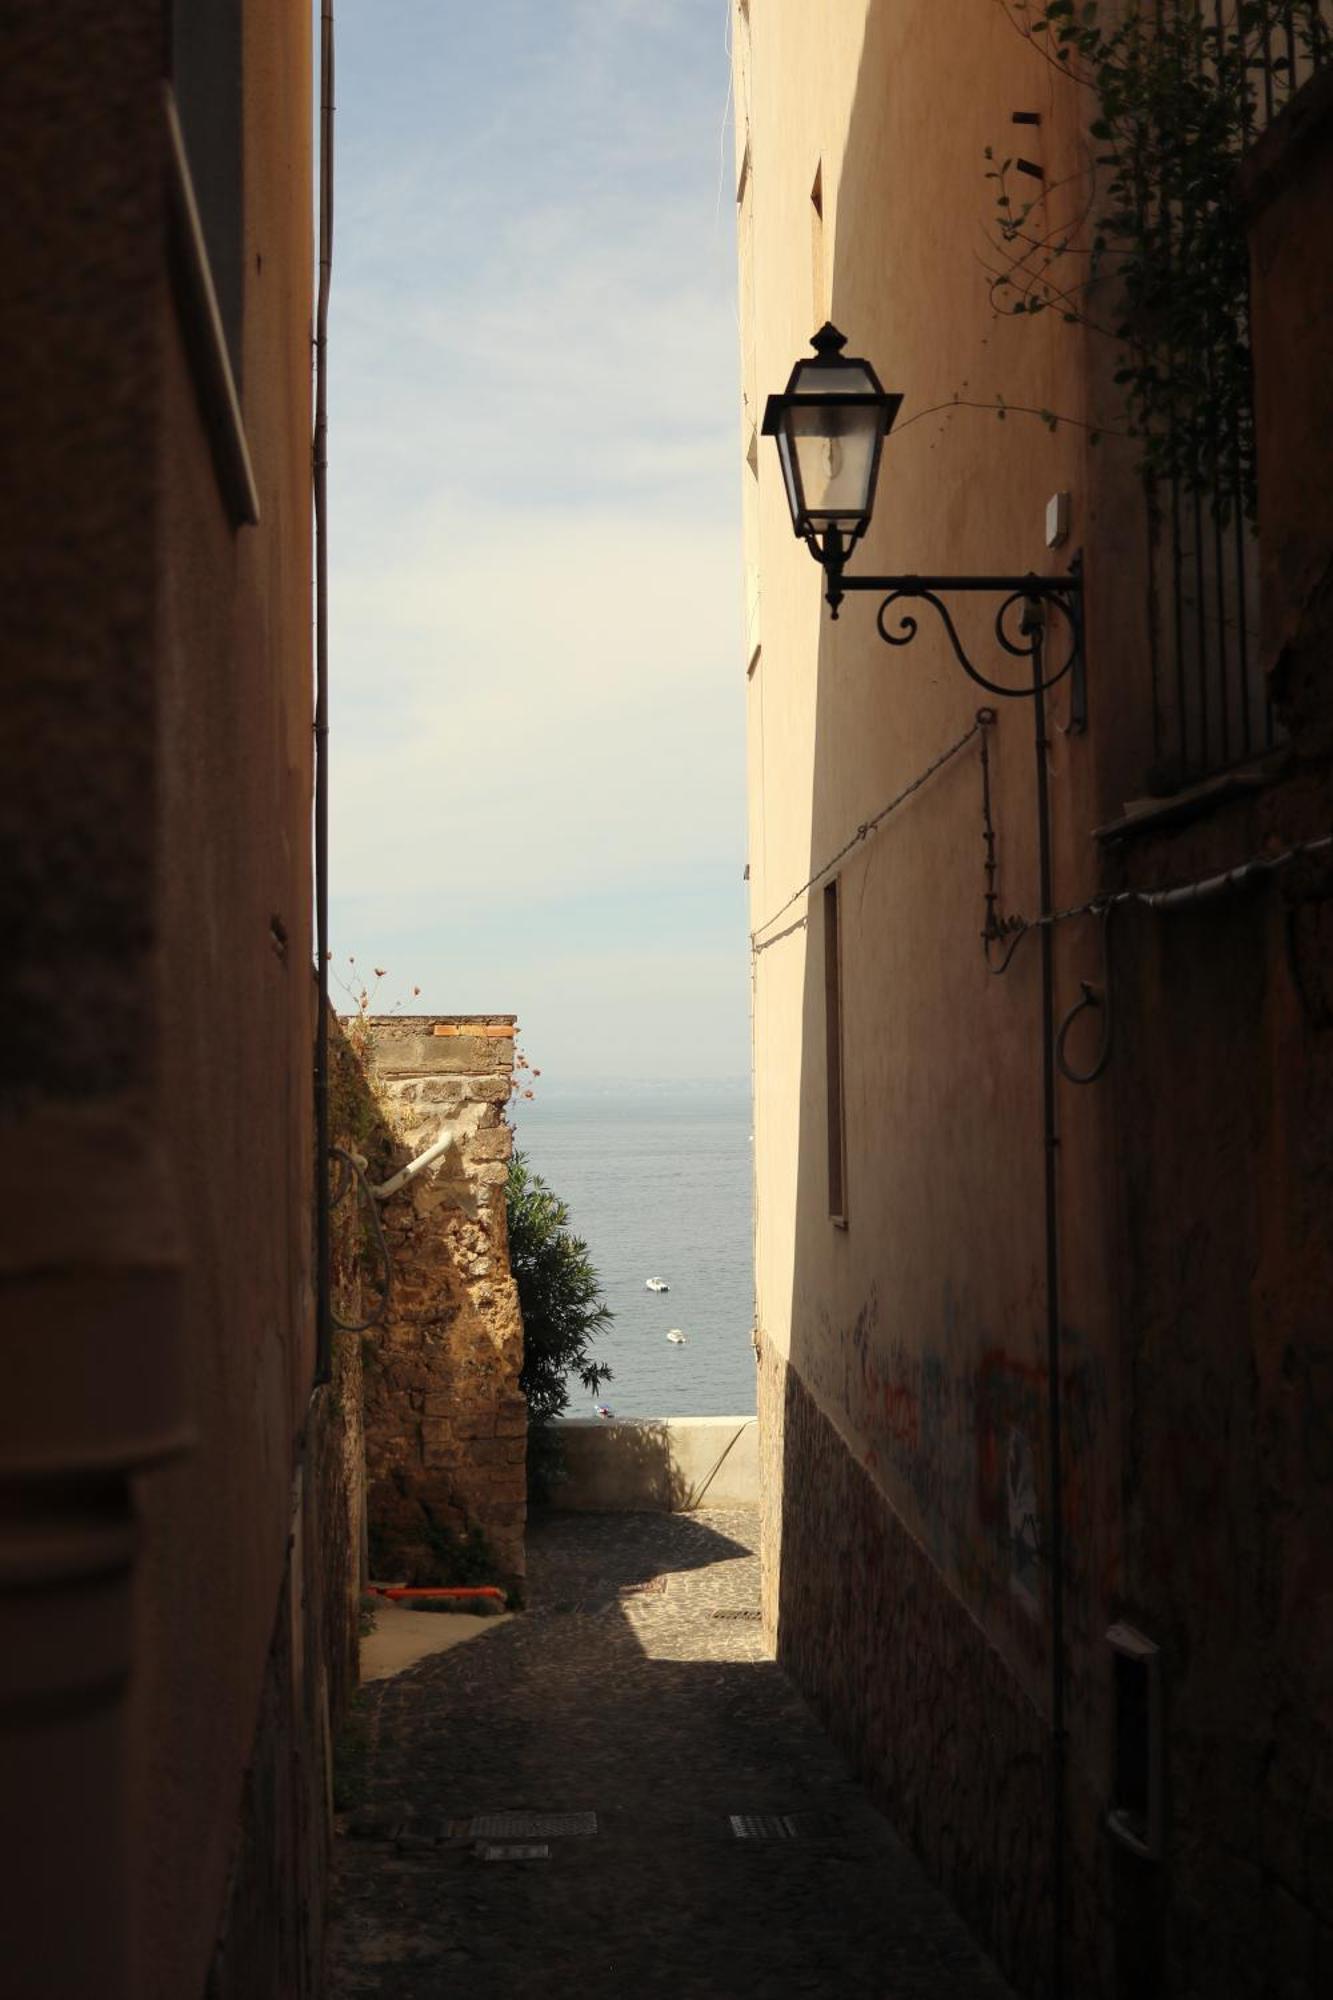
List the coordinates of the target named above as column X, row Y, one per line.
column 1023, row 640
column 1020, row 624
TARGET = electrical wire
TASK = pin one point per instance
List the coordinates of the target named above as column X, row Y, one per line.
column 1098, row 999
column 354, row 1175
column 320, row 471
column 984, row 718
column 1177, row 896
column 1170, row 899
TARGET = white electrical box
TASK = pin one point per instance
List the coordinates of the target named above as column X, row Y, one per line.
column 1057, row 520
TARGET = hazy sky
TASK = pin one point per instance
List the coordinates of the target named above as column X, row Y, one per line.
column 537, row 681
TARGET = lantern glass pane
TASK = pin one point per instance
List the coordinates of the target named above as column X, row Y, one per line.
column 824, row 378
column 789, row 478
column 834, row 447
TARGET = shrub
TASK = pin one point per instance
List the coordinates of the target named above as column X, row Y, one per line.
column 560, row 1295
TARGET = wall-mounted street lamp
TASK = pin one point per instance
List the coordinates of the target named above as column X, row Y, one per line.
column 830, row 423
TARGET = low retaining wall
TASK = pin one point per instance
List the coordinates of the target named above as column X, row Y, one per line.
column 657, row 1465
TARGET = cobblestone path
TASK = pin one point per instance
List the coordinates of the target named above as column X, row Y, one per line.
column 636, row 1689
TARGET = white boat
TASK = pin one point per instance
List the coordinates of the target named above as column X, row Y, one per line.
column 656, row 1285
column 676, row 1336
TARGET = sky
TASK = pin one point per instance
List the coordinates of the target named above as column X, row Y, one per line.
column 537, row 764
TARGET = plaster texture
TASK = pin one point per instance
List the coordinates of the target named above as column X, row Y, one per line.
column 174, row 1490
column 656, row 1465
column 904, row 1342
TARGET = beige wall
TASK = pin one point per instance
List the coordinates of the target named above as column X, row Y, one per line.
column 236, row 1028
column 162, row 1568
column 918, row 1332
column 903, row 1366
column 940, row 1267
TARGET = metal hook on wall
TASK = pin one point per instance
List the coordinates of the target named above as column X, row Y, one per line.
column 1095, row 999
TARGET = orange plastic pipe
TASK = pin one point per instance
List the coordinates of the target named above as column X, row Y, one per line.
column 397, row 1590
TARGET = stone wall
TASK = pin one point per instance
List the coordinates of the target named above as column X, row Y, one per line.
column 445, row 1420
column 906, row 1682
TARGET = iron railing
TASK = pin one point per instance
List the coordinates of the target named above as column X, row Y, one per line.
column 1210, row 701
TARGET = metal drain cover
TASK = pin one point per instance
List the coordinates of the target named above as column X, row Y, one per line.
column 763, row 1826
column 747, row 1615
column 530, row 1826
column 515, row 1851
column 652, row 1586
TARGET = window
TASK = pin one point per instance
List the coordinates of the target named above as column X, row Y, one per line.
column 837, row 1138
column 817, row 246
column 1136, row 1811
column 205, row 69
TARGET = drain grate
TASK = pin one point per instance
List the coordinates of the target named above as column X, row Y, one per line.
column 750, row 1617
column 530, row 1826
column 654, row 1586
column 515, row 1851
column 763, row 1826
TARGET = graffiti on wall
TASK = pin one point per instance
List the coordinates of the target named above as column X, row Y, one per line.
column 965, row 1438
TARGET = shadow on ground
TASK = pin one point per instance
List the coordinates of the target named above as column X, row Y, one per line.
column 623, row 1693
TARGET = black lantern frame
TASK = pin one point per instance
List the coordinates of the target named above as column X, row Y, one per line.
column 829, row 532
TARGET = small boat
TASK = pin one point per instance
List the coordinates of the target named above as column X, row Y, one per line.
column 676, row 1337
column 656, row 1285
column 602, row 1410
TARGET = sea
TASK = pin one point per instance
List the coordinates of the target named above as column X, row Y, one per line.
column 657, row 1179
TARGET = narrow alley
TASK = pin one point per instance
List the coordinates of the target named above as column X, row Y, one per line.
column 666, row 867
column 636, row 1705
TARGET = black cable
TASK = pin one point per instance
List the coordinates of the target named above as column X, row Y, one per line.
column 356, row 1175
column 984, row 717
column 1090, row 997
column 320, row 456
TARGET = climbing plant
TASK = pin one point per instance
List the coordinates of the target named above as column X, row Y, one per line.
column 1151, row 234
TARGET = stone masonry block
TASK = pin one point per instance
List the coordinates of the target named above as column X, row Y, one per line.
column 437, row 1432
column 418, row 1054
column 447, row 1091
column 495, row 1144
column 491, row 1089
column 489, row 1451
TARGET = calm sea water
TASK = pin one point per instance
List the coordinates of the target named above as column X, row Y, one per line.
column 657, row 1179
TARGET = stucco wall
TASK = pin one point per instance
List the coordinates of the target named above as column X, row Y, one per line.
column 653, row 1465
column 157, row 1115
column 904, row 1355
column 916, row 1335
column 1223, row 1088
column 446, row 1422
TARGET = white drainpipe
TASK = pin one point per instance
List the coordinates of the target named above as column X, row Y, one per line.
column 414, row 1167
